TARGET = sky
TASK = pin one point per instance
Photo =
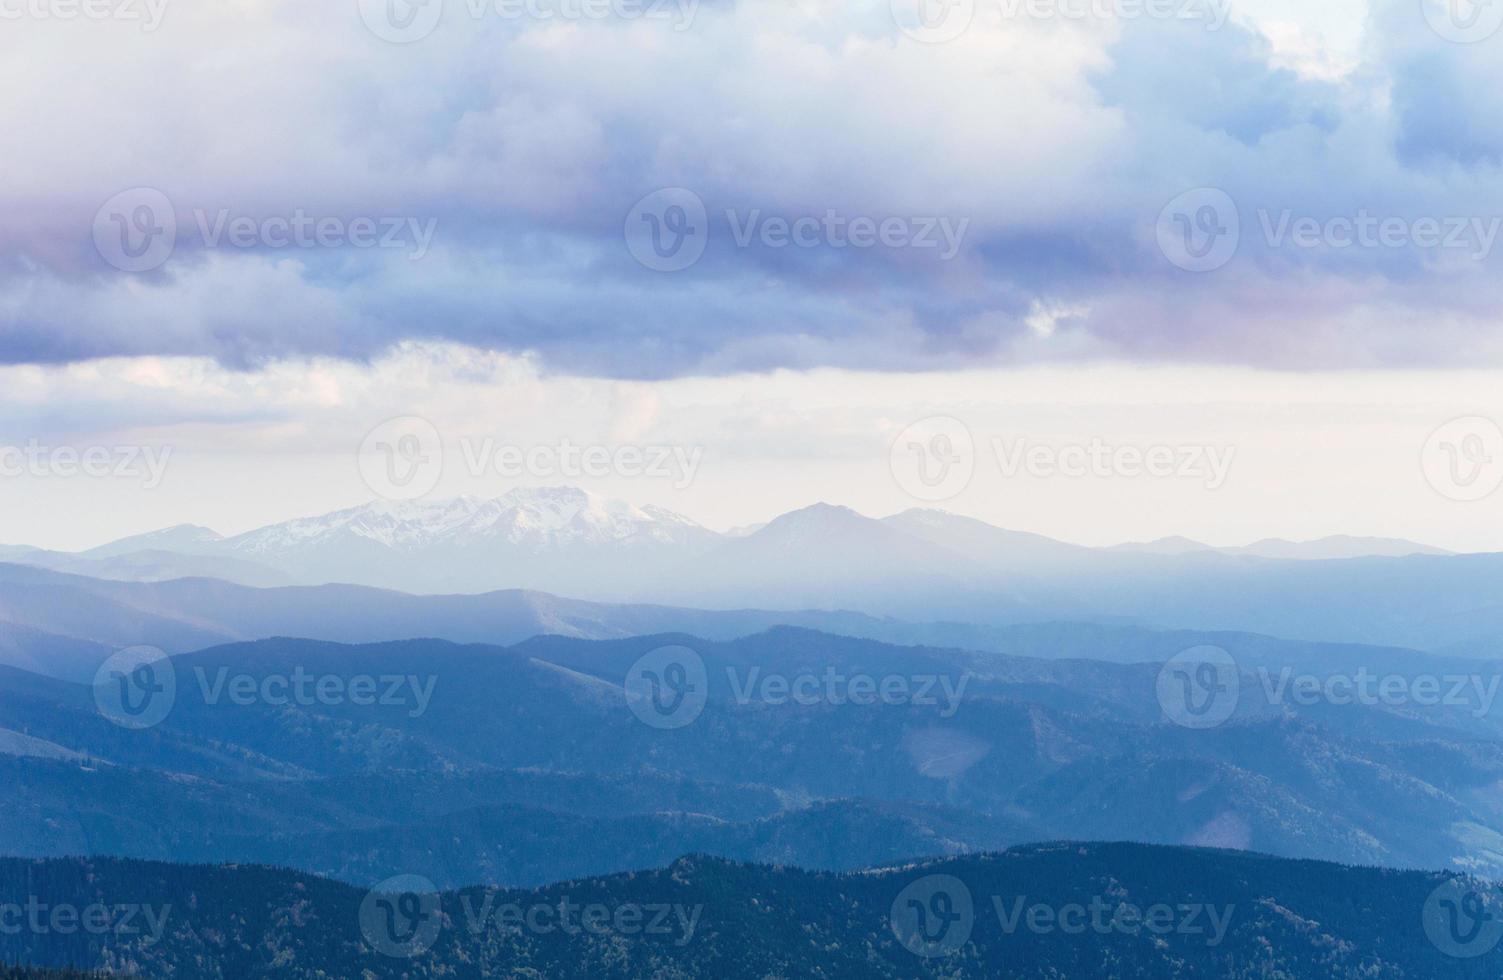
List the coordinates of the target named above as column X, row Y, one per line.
column 777, row 234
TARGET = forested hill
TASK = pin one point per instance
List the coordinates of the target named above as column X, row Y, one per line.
column 1118, row 910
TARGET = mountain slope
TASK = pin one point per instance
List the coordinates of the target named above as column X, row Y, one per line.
column 188, row 539
column 1017, row 748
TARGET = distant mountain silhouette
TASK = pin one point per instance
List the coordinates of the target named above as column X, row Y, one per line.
column 922, row 565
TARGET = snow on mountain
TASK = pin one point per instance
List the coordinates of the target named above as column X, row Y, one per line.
column 559, row 539
column 921, row 563
column 534, row 519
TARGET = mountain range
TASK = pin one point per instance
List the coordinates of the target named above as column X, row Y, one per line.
column 517, row 756
column 470, row 544
column 918, row 566
column 65, row 626
column 527, row 764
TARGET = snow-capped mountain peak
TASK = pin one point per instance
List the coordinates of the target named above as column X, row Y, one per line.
column 550, row 517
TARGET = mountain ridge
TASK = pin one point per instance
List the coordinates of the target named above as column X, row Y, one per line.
column 1298, row 919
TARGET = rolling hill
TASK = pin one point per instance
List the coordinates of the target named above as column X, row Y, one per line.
column 1053, row 910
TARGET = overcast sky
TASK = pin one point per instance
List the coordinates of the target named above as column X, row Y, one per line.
column 778, row 233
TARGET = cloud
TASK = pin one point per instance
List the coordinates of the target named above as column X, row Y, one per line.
column 1039, row 151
